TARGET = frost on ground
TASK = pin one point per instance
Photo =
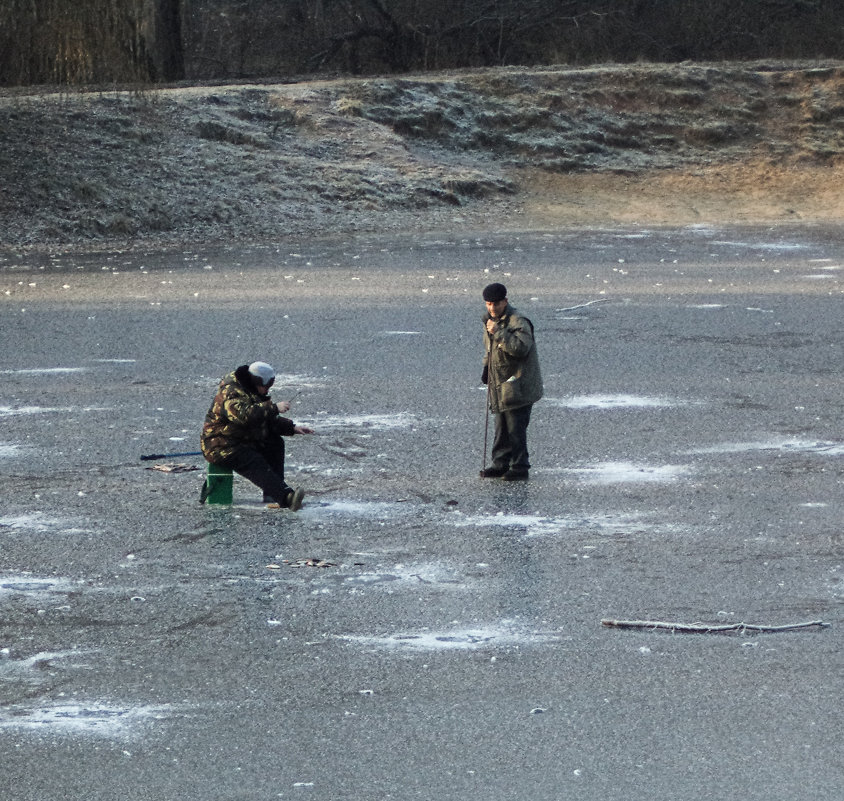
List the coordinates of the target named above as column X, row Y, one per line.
column 685, row 143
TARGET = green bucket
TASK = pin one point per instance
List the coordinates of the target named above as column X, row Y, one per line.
column 219, row 484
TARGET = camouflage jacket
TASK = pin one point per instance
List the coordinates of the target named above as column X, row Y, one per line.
column 239, row 417
column 512, row 363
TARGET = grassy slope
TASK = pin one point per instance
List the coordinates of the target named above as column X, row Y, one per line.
column 240, row 163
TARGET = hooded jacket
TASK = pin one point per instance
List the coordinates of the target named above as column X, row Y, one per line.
column 240, row 417
column 512, row 362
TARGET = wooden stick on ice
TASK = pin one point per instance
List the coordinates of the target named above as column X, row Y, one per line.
column 706, row 628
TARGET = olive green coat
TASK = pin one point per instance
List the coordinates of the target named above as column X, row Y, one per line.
column 512, row 362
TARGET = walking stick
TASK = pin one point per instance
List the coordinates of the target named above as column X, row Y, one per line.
column 486, row 432
column 486, row 419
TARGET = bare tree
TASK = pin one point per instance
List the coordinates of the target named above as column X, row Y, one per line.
column 96, row 41
column 90, row 41
column 409, row 34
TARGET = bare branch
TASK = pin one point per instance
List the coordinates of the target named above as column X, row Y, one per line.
column 706, row 628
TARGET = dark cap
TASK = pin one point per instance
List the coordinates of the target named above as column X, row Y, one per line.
column 494, row 293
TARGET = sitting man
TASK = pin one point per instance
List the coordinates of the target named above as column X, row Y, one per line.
column 243, row 431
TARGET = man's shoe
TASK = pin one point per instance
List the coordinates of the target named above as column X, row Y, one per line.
column 294, row 499
column 515, row 475
column 493, row 472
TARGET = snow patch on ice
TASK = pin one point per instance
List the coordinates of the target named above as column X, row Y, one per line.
column 9, row 411
column 784, row 444
column 629, row 472
column 409, row 576
column 537, row 526
column 27, row 668
column 37, row 522
column 32, row 586
column 295, row 380
column 372, row 422
column 531, row 524
column 43, row 370
column 326, row 469
column 97, row 719
column 777, row 246
column 616, row 402
column 505, row 634
column 373, row 509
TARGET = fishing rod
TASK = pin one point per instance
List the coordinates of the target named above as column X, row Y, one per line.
column 150, row 456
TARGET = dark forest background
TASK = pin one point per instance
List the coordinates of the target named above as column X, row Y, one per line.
column 97, row 42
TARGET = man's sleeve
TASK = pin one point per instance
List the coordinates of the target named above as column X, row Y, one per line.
column 283, row 426
column 516, row 339
column 245, row 411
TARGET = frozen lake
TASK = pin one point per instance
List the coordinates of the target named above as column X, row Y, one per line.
column 416, row 632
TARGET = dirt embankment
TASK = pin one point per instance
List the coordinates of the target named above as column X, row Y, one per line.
column 527, row 148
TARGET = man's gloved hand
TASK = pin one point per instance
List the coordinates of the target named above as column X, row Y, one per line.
column 485, row 374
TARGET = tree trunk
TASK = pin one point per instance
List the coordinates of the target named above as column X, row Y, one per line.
column 165, row 53
column 76, row 42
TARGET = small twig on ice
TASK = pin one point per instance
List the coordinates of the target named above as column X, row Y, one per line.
column 706, row 628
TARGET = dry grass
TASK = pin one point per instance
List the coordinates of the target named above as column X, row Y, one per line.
column 544, row 147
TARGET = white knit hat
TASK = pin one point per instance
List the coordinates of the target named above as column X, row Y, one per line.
column 262, row 373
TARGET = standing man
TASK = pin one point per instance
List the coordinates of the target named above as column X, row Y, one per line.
column 514, row 383
column 243, row 431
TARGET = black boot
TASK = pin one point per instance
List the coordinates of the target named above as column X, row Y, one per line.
column 293, row 500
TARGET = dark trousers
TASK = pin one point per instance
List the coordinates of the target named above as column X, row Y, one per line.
column 509, row 448
column 264, row 467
